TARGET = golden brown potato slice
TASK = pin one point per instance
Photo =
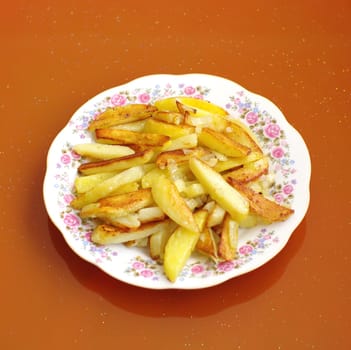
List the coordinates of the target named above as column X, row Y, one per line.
column 172, row 204
column 116, row 164
column 118, row 205
column 108, row 234
column 207, row 244
column 240, row 133
column 122, row 115
column 249, row 172
column 267, row 210
column 228, row 241
column 127, row 137
column 222, row 144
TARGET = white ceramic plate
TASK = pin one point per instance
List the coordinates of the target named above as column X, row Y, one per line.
column 290, row 162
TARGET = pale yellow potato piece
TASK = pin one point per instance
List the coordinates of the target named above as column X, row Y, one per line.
column 169, row 117
column 202, row 107
column 150, row 214
column 151, row 176
column 172, row 204
column 108, row 186
column 215, row 216
column 171, row 130
column 233, row 162
column 180, row 246
column 220, row 191
column 116, row 164
column 158, row 241
column 193, row 189
column 137, row 126
column 100, row 151
column 183, row 142
column 222, row 144
column 85, row 183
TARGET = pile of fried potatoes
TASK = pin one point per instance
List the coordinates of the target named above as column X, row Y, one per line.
column 176, row 176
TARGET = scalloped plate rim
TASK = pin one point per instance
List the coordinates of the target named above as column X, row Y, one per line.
column 295, row 220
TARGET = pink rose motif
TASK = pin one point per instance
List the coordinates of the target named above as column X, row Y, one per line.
column 189, row 90
column 287, row 189
column 68, row 198
column 251, row 117
column 278, row 197
column 88, row 236
column 144, row 98
column 246, row 249
column 137, row 265
column 225, row 266
column 75, row 155
column 146, row 273
column 197, row 269
column 272, row 131
column 277, row 152
column 118, row 100
column 71, row 220
column 65, row 159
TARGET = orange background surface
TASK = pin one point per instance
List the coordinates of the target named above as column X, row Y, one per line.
column 57, row 54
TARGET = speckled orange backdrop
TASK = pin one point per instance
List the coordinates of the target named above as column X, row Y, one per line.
column 57, row 54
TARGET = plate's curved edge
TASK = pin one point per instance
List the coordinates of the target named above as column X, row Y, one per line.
column 220, row 279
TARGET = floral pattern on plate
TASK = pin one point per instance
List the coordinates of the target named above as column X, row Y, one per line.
column 132, row 265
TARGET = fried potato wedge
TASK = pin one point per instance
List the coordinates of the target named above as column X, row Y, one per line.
column 108, row 186
column 219, row 190
column 178, row 156
column 243, row 135
column 116, row 164
column 249, row 172
column 172, row 204
column 228, row 242
column 215, row 216
column 169, row 117
column 180, row 246
column 183, row 142
column 99, row 151
column 158, row 241
column 108, row 234
column 137, row 126
column 85, row 183
column 221, row 143
column 122, row 115
column 201, row 107
column 150, row 214
column 171, row 130
column 265, row 209
column 235, row 162
column 127, row 137
column 118, row 205
column 207, row 244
